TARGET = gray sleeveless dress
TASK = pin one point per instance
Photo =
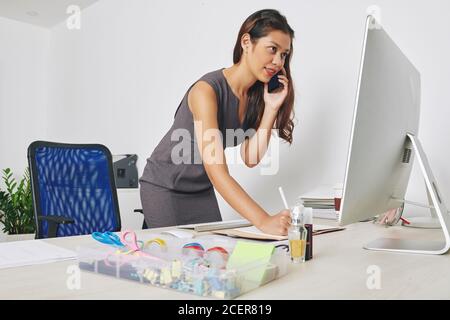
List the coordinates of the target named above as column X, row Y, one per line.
column 181, row 193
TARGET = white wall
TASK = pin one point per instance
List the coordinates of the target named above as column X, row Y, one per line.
column 119, row 79
column 23, row 90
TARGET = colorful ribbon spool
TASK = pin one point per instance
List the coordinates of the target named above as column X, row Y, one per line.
column 218, row 249
column 158, row 241
column 194, row 248
column 194, row 245
column 217, row 256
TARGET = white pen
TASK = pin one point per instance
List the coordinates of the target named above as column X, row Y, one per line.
column 283, row 198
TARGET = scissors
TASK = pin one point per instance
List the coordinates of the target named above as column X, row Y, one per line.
column 133, row 245
column 109, row 238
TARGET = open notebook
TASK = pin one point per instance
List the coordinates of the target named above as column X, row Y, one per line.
column 253, row 233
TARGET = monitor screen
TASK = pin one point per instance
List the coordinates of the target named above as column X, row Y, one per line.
column 387, row 108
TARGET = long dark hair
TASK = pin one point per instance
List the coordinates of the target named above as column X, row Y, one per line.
column 259, row 25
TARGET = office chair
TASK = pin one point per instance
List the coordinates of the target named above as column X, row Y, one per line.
column 73, row 187
column 144, row 224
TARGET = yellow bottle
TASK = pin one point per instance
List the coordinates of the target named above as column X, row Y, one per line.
column 297, row 235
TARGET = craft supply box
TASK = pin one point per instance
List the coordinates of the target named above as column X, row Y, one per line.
column 173, row 266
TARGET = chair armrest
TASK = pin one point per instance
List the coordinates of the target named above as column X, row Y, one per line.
column 54, row 222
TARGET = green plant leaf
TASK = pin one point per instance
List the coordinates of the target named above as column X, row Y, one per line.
column 17, row 204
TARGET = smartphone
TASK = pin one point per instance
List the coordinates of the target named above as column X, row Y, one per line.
column 274, row 84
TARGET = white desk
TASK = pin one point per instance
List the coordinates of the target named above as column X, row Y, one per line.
column 338, row 271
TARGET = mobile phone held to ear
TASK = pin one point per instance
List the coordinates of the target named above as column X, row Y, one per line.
column 274, row 84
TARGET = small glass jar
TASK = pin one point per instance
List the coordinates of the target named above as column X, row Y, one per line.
column 297, row 235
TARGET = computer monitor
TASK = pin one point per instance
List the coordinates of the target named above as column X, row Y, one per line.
column 383, row 141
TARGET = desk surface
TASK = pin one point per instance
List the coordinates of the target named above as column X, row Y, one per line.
column 339, row 270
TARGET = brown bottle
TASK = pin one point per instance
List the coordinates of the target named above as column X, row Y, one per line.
column 308, row 222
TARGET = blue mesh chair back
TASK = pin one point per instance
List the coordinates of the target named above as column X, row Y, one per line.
column 74, row 181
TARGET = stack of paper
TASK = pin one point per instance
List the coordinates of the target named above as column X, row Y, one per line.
column 321, row 200
column 29, row 252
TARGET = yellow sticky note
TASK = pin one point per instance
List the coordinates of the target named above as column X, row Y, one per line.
column 247, row 253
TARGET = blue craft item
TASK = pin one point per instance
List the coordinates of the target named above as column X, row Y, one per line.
column 198, row 286
column 108, row 238
column 215, row 283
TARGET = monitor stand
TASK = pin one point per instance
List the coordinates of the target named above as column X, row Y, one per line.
column 438, row 208
column 431, row 222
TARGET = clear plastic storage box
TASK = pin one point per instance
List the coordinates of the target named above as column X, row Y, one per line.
column 178, row 265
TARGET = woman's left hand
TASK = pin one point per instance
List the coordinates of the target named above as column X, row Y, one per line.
column 275, row 99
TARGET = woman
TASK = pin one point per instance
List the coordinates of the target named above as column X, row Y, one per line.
column 176, row 189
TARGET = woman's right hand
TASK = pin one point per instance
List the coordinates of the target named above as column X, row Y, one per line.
column 277, row 224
